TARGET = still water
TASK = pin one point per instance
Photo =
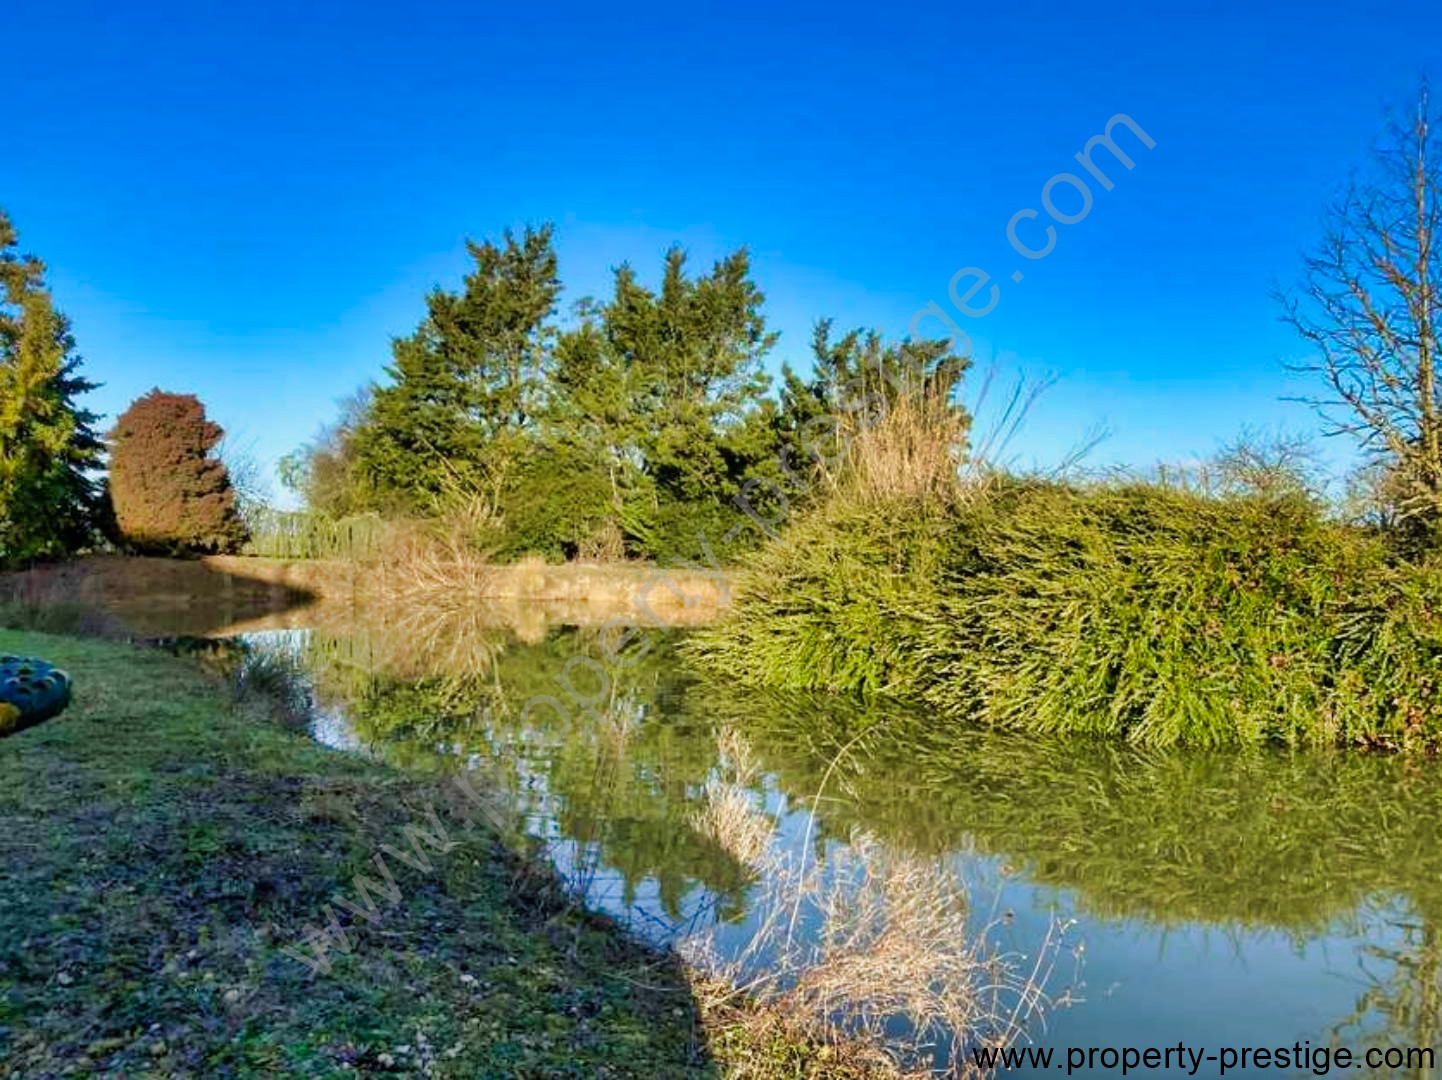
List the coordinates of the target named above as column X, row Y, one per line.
column 1210, row 899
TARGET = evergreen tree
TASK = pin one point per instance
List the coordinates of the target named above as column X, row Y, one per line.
column 646, row 428
column 466, row 385
column 665, row 388
column 49, row 503
column 170, row 491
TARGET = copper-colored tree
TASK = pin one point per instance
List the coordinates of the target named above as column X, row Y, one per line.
column 1370, row 305
column 171, row 493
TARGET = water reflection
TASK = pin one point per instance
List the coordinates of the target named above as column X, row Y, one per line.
column 1249, row 898
column 1313, row 878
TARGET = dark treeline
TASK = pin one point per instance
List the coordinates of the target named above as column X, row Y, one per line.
column 643, row 426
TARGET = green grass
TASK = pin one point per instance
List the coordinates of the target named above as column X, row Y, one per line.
column 1163, row 616
column 163, row 839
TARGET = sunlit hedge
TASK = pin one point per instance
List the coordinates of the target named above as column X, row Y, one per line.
column 1143, row 611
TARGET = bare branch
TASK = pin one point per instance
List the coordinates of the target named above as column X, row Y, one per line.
column 1368, row 304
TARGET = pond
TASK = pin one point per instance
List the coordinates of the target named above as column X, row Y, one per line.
column 1134, row 899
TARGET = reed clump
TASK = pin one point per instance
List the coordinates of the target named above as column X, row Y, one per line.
column 418, row 568
column 915, row 451
column 1161, row 614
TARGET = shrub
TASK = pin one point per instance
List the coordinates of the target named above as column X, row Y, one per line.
column 171, row 493
column 823, row 608
column 1163, row 616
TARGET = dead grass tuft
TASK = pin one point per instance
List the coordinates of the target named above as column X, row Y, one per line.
column 605, row 545
column 422, row 568
column 754, row 1041
column 914, row 452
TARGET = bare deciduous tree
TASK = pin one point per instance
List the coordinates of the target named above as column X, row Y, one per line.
column 1369, row 304
column 247, row 478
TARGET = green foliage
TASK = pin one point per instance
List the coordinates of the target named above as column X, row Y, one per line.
column 280, row 534
column 466, row 386
column 559, row 496
column 170, row 491
column 642, row 429
column 668, row 366
column 49, row 504
column 664, row 389
column 821, row 608
column 1142, row 611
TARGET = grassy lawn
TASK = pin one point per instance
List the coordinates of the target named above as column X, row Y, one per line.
column 162, row 841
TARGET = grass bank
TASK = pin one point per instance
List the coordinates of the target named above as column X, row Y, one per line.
column 166, row 838
column 1160, row 615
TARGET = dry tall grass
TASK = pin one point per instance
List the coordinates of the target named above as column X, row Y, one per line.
column 924, row 446
column 891, row 944
column 914, row 451
column 439, row 568
column 433, row 568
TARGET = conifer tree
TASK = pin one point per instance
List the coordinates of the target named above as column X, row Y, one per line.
column 667, row 387
column 465, row 387
column 172, row 494
column 49, row 501
column 645, row 428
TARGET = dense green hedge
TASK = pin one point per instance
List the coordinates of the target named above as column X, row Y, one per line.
column 1160, row 615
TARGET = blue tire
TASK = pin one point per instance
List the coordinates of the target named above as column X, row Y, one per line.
column 30, row 691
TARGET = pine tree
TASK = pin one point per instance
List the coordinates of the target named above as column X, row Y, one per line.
column 171, row 493
column 49, row 502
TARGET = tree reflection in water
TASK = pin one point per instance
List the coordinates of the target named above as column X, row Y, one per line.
column 668, row 789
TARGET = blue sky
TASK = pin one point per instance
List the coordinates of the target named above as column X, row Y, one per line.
column 248, row 201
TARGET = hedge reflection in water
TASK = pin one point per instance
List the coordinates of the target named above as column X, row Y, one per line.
column 1302, row 843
